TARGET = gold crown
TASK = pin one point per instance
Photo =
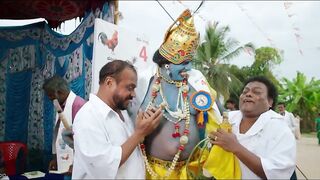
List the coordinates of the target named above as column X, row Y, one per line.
column 181, row 41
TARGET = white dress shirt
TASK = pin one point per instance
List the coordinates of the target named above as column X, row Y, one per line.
column 98, row 135
column 271, row 140
column 60, row 148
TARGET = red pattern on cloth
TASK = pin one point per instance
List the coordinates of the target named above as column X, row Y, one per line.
column 54, row 11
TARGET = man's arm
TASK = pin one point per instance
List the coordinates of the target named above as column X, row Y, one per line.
column 293, row 123
column 53, row 163
column 77, row 104
column 95, row 152
column 229, row 142
column 252, row 161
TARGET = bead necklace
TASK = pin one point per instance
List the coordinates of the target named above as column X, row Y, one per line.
column 178, row 114
column 182, row 95
column 183, row 141
column 186, row 115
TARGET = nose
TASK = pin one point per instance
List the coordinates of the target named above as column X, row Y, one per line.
column 248, row 94
column 133, row 94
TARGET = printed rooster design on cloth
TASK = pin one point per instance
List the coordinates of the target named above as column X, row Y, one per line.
column 112, row 42
column 65, row 157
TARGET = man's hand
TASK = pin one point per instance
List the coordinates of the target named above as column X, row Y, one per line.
column 69, row 172
column 67, row 136
column 228, row 141
column 147, row 121
column 53, row 163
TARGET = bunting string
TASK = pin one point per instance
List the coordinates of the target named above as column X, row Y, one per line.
column 255, row 24
column 296, row 31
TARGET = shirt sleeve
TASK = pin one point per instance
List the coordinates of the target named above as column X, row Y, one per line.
column 95, row 156
column 293, row 121
column 279, row 163
column 54, row 137
column 77, row 104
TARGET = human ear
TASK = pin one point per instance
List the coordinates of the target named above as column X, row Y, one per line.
column 270, row 102
column 108, row 80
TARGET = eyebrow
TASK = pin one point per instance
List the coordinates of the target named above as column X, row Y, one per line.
column 253, row 88
column 257, row 88
column 132, row 85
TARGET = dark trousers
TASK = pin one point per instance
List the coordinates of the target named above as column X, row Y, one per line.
column 294, row 176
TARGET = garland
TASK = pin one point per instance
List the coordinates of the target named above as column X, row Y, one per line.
column 183, row 114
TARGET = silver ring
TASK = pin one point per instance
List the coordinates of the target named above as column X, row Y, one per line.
column 216, row 138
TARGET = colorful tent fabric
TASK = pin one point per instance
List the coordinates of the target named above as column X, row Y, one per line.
column 54, row 11
column 30, row 54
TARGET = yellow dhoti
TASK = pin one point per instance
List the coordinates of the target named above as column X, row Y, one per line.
column 160, row 167
column 217, row 163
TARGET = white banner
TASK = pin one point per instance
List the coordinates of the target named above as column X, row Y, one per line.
column 114, row 42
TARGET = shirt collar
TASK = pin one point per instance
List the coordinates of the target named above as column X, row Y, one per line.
column 260, row 122
column 100, row 106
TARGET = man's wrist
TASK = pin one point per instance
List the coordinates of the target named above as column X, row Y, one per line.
column 238, row 148
column 138, row 136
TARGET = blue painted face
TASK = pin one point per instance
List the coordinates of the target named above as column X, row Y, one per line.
column 177, row 70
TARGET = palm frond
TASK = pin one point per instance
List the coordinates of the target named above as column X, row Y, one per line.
column 212, row 55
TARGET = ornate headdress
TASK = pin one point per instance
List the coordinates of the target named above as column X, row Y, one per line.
column 181, row 41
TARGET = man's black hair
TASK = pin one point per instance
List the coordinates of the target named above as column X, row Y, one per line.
column 56, row 83
column 231, row 101
column 282, row 103
column 113, row 69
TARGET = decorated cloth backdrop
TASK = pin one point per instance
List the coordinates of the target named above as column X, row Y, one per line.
column 29, row 55
column 54, row 11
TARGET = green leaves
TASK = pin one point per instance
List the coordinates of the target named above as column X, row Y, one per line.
column 213, row 56
column 268, row 55
column 216, row 51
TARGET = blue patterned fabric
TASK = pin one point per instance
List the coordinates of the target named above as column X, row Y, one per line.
column 17, row 102
column 29, row 55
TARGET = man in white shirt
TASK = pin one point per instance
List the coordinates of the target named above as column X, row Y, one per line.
column 260, row 140
column 288, row 117
column 105, row 139
column 57, row 88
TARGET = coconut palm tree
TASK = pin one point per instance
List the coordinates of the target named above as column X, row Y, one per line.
column 265, row 59
column 213, row 56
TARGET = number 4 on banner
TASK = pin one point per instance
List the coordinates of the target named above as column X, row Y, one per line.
column 143, row 54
